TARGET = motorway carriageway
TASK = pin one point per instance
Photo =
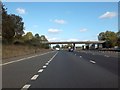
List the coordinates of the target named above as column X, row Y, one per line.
column 62, row 69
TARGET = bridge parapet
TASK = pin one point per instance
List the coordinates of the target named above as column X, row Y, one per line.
column 77, row 42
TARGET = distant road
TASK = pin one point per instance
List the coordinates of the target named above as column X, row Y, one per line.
column 63, row 69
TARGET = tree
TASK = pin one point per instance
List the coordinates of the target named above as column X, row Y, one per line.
column 36, row 40
column 44, row 42
column 110, row 38
column 118, row 38
column 101, row 36
column 18, row 25
column 7, row 26
column 43, row 39
column 37, row 35
column 28, row 36
column 12, row 26
column 0, row 18
column 57, row 46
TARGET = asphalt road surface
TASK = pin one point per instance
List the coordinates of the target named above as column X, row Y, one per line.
column 62, row 69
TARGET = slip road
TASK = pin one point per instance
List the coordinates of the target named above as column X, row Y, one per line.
column 62, row 69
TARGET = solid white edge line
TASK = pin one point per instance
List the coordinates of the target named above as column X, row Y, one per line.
column 92, row 61
column 53, row 57
column 34, row 77
column 41, row 70
column 24, row 59
column 26, row 86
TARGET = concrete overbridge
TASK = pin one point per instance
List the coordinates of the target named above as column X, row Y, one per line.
column 98, row 43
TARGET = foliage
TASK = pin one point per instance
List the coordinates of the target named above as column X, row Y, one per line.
column 118, row 36
column 28, row 36
column 7, row 28
column 37, row 36
column 57, row 46
column 110, row 38
column 18, row 25
column 12, row 26
column 13, row 30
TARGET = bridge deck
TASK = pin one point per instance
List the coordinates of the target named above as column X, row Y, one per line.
column 78, row 42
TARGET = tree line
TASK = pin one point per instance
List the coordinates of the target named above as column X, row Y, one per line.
column 13, row 31
column 112, row 38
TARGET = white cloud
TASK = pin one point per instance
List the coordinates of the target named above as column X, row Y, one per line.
column 52, row 39
column 20, row 10
column 108, row 15
column 52, row 30
column 58, row 21
column 83, row 30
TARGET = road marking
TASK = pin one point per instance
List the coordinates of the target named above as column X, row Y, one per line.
column 44, row 66
column 24, row 59
column 106, row 56
column 41, row 70
column 53, row 57
column 25, row 87
column 92, row 61
column 80, row 56
column 48, row 61
column 34, row 77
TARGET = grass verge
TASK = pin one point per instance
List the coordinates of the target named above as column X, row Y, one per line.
column 9, row 51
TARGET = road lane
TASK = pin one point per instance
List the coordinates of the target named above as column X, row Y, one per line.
column 62, row 70
column 109, row 63
column 70, row 71
column 17, row 74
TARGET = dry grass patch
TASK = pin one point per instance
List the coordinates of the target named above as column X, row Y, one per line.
column 9, row 51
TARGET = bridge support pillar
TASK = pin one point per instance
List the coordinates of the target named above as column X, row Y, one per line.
column 73, row 46
column 87, row 46
column 92, row 46
column 99, row 46
column 50, row 46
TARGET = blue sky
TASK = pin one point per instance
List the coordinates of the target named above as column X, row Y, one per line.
column 62, row 21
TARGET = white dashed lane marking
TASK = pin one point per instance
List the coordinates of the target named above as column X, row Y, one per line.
column 26, row 87
column 44, row 66
column 34, row 77
column 92, row 61
column 48, row 61
column 106, row 56
column 80, row 56
column 41, row 70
